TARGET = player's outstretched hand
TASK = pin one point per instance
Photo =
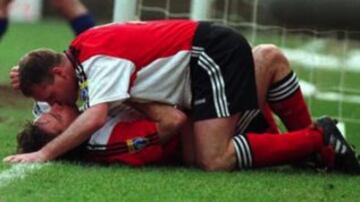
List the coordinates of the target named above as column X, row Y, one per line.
column 26, row 158
column 14, row 77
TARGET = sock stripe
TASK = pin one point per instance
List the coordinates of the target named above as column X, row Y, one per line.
column 285, row 95
column 283, row 83
column 243, row 152
column 285, row 89
column 241, row 156
column 291, row 86
column 238, row 155
column 246, row 151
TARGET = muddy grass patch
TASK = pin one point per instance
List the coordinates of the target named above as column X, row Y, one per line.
column 12, row 98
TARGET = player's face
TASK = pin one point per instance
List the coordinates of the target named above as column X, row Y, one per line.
column 57, row 119
column 62, row 90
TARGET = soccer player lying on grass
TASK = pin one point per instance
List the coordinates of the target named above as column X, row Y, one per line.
column 277, row 87
column 126, row 138
column 130, row 139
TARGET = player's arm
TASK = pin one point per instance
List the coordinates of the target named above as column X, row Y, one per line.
column 79, row 131
column 169, row 119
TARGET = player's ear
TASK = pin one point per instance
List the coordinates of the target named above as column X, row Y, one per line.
column 58, row 71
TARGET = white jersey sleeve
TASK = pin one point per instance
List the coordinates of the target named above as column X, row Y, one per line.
column 108, row 79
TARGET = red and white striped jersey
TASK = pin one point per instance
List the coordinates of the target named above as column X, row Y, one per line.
column 144, row 61
column 130, row 141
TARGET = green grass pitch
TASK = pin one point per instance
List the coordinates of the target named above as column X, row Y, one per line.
column 63, row 181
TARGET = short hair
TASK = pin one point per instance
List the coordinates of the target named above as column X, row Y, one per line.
column 32, row 138
column 35, row 66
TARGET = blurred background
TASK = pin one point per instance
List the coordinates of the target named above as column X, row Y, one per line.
column 319, row 14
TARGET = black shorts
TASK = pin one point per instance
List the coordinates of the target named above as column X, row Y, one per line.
column 223, row 77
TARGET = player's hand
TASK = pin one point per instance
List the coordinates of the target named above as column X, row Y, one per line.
column 26, row 158
column 15, row 77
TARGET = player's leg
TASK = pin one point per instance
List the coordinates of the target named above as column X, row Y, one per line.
column 278, row 85
column 270, row 120
column 254, row 150
column 214, row 149
column 76, row 13
column 223, row 95
column 269, row 150
column 293, row 146
column 224, row 89
column 188, row 144
column 264, row 74
column 323, row 142
column 4, row 4
column 263, row 81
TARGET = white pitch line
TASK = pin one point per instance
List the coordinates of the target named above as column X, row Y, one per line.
column 18, row 171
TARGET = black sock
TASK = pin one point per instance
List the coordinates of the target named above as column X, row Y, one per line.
column 3, row 26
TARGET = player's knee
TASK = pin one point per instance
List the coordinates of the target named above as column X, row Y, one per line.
column 270, row 52
column 272, row 55
column 208, row 165
column 176, row 121
column 212, row 164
